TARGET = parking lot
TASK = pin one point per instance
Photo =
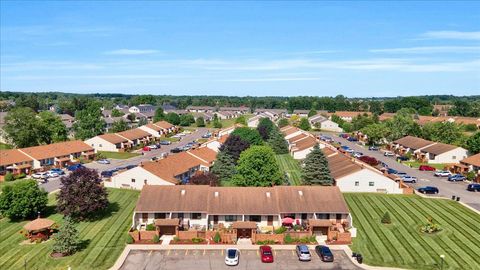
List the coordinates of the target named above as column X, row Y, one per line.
column 214, row 259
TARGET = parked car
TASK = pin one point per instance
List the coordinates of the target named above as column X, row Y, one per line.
column 154, row 158
column 146, row 148
column 403, row 158
column 131, row 166
column 206, row 136
column 176, row 150
column 51, row 174
column 58, row 171
column 303, row 253
column 392, row 171
column 325, row 254
column 442, row 173
column 428, row 190
column 165, row 142
column 373, row 148
column 456, row 178
column 103, row 161
column 409, row 179
column 357, row 154
column 473, row 187
column 40, row 175
column 75, row 167
column 232, row 256
column 343, row 135
column 266, row 254
column 401, row 174
column 426, row 168
column 369, row 160
column 106, row 173
column 352, row 139
column 388, row 154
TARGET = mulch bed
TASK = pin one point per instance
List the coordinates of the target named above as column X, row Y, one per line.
column 57, row 255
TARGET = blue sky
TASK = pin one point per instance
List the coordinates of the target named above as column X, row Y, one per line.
column 357, row 49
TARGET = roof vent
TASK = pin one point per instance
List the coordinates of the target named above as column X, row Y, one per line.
column 216, row 194
column 182, row 192
column 300, row 193
column 268, row 194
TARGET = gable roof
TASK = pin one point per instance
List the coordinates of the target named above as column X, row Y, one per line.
column 56, row 149
column 349, row 113
column 172, row 166
column 163, row 124
column 134, row 134
column 205, row 154
column 112, row 138
column 439, row 148
column 413, row 142
column 11, row 156
column 341, row 165
column 304, row 144
column 472, row 160
column 241, row 200
column 153, row 127
column 297, row 137
column 290, row 130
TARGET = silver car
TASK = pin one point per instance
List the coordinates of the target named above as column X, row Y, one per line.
column 232, row 256
column 303, row 253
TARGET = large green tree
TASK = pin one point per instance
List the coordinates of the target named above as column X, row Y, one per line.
column 172, row 118
column 445, row 132
column 473, row 143
column 200, row 122
column 283, row 122
column 22, row 127
column 401, row 125
column 117, row 113
column 249, row 135
column 277, row 142
column 159, row 115
column 186, row 120
column 224, row 167
column 257, row 167
column 22, row 200
column 52, row 128
column 66, row 240
column 242, row 119
column 304, row 124
column 375, row 132
column 265, row 127
column 89, row 122
column 315, row 169
column 119, row 126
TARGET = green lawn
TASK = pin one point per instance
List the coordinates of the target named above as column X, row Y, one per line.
column 416, row 164
column 105, row 239
column 401, row 244
column 4, row 146
column 291, row 167
column 118, row 155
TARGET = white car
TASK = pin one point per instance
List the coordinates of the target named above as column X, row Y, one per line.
column 409, row 179
column 388, row 154
column 153, row 146
column 232, row 256
column 40, row 176
column 442, row 173
column 52, row 174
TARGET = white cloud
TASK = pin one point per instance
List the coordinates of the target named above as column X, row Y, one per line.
column 130, row 52
column 272, row 79
column 473, row 35
column 432, row 49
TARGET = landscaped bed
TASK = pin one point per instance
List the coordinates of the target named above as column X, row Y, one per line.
column 103, row 239
column 118, row 155
column 402, row 244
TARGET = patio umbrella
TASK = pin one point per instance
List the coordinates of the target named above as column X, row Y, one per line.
column 287, row 220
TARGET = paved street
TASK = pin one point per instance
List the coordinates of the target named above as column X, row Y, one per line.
column 54, row 183
column 447, row 189
column 214, row 259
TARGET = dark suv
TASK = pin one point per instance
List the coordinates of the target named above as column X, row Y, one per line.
column 428, row 190
column 324, row 252
column 473, row 187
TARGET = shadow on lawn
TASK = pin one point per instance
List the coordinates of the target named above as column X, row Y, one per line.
column 112, row 208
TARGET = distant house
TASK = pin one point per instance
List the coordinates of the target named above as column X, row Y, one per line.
column 469, row 164
column 442, row 153
column 109, row 142
column 14, row 161
column 200, row 109
column 323, row 123
column 171, row 170
column 347, row 115
column 409, row 144
column 142, row 108
column 136, row 136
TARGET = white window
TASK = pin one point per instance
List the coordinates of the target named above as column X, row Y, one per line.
column 371, row 184
column 357, row 183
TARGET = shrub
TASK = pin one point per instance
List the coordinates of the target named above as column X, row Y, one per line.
column 217, row 238
column 280, row 230
column 20, row 176
column 287, row 239
column 430, row 227
column 176, row 239
column 471, row 175
column 297, row 227
column 9, row 177
column 129, row 239
column 150, row 227
column 386, row 218
column 156, row 239
column 266, row 242
column 197, row 240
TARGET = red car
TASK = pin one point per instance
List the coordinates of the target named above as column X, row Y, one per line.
column 146, row 148
column 426, row 168
column 266, row 254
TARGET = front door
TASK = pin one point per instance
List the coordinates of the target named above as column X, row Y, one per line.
column 144, row 217
column 244, row 233
column 215, row 219
column 269, row 220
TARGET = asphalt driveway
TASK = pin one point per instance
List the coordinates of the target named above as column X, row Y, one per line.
column 214, row 259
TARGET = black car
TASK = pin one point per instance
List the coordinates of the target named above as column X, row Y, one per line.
column 131, row 166
column 107, row 173
column 176, row 150
column 473, row 187
column 403, row 158
column 324, row 252
column 428, row 190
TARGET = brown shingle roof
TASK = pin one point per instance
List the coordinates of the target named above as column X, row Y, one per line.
column 205, row 154
column 11, row 156
column 472, row 160
column 413, row 142
column 241, row 200
column 348, row 113
column 167, row 222
column 304, row 144
column 163, row 124
column 134, row 134
column 289, row 131
column 341, row 165
column 438, row 148
column 113, row 138
column 56, row 149
column 153, row 127
column 298, row 137
column 172, row 166
column 39, row 224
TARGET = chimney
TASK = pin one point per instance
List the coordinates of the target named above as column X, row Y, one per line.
column 182, row 192
column 216, row 194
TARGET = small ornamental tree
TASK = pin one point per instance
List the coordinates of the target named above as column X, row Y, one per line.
column 204, row 179
column 66, row 240
column 386, row 218
column 200, row 122
column 172, row 118
column 304, row 124
column 217, row 238
column 312, row 112
column 22, row 200
column 241, row 120
column 234, row 146
column 224, row 167
column 81, row 194
column 159, row 115
column 249, row 135
column 265, row 127
column 257, row 167
column 315, row 170
column 283, row 122
column 9, row 177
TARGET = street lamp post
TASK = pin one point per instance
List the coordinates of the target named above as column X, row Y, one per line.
column 442, row 258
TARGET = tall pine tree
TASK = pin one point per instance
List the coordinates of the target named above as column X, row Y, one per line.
column 224, row 167
column 315, row 170
column 66, row 241
column 277, row 142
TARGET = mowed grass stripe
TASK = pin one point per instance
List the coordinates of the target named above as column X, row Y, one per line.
column 405, row 237
column 290, row 166
column 367, row 244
